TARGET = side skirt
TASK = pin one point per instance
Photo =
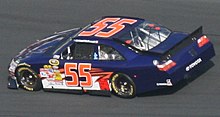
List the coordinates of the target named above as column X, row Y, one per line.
column 81, row 92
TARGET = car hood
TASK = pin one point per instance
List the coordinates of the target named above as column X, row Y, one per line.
column 46, row 45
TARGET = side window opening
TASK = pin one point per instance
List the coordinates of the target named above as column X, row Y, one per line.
column 78, row 51
column 66, row 54
column 108, row 53
column 84, row 51
column 89, row 51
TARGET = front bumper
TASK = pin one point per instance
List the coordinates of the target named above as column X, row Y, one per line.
column 12, row 83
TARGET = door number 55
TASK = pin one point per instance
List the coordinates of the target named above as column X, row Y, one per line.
column 82, row 68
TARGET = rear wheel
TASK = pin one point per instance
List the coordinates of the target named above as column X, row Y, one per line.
column 28, row 79
column 123, row 86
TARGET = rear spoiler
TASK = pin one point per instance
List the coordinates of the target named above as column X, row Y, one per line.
column 183, row 43
column 197, row 33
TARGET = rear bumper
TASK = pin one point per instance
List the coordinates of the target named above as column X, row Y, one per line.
column 189, row 63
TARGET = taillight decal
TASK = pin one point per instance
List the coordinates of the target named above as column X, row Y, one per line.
column 202, row 41
column 166, row 66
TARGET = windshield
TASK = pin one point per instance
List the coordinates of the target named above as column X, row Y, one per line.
column 146, row 36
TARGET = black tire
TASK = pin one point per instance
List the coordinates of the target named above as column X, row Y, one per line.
column 28, row 79
column 123, row 86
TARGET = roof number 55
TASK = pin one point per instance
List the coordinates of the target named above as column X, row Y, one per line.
column 82, row 68
column 97, row 28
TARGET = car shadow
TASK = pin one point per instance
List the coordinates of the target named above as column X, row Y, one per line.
column 171, row 90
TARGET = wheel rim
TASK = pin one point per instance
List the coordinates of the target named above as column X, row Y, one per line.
column 123, row 87
column 27, row 78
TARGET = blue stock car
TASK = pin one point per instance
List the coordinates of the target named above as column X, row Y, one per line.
column 124, row 55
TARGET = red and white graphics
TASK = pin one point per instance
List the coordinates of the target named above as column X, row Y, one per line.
column 76, row 76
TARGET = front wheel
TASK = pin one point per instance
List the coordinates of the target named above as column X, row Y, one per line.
column 28, row 79
column 123, row 86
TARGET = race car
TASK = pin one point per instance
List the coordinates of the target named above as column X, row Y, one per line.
column 125, row 56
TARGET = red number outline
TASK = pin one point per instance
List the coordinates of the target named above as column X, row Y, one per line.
column 116, row 27
column 68, row 67
column 98, row 26
column 82, row 73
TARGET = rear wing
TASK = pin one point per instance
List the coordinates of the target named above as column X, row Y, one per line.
column 183, row 43
column 197, row 33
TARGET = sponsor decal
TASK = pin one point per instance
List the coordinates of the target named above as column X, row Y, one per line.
column 86, row 41
column 51, row 73
column 167, row 83
column 192, row 65
column 13, row 66
column 50, row 82
column 54, row 62
column 47, row 66
column 46, row 73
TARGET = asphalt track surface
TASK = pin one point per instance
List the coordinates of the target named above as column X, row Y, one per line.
column 24, row 21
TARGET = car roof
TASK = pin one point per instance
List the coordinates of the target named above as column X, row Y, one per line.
column 127, row 27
